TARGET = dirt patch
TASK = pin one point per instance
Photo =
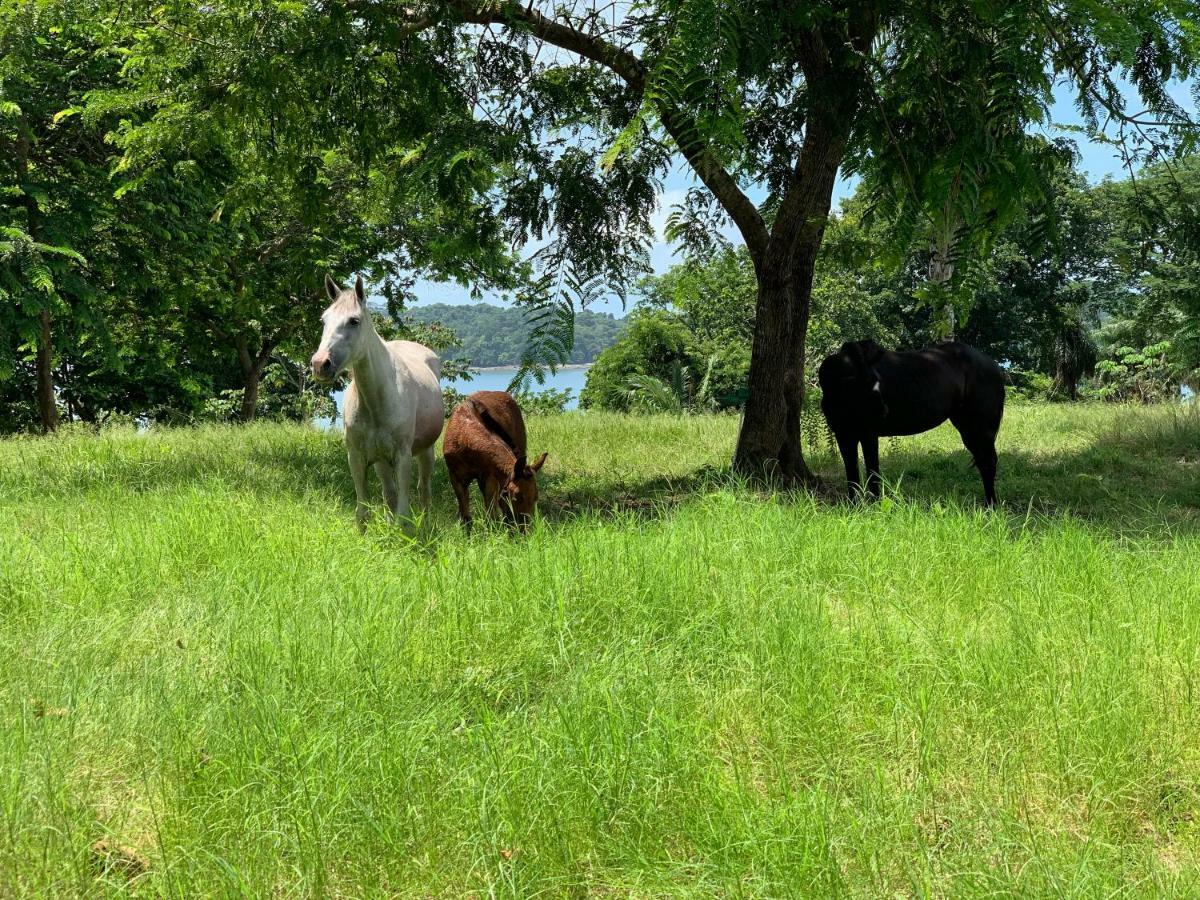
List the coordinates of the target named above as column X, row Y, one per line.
column 111, row 858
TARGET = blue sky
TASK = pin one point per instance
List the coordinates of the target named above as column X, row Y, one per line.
column 1096, row 160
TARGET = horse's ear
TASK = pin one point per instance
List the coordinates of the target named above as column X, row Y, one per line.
column 538, row 463
column 519, row 468
column 358, row 290
column 331, row 287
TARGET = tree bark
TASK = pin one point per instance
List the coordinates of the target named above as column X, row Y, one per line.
column 252, row 369
column 769, row 443
column 250, row 397
column 47, row 407
column 251, row 373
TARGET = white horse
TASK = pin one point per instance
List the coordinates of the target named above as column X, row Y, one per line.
column 393, row 409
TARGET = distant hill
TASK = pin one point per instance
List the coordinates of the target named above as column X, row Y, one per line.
column 496, row 335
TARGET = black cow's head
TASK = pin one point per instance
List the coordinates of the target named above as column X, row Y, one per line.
column 851, row 390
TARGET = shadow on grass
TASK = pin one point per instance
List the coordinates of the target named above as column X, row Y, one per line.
column 1122, row 480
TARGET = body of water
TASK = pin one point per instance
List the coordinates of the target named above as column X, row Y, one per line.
column 498, row 379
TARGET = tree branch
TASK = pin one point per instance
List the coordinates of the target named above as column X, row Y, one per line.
column 627, row 66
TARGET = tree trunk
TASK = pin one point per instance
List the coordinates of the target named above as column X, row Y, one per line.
column 250, row 397
column 251, row 373
column 941, row 270
column 769, row 443
column 47, row 407
column 252, row 369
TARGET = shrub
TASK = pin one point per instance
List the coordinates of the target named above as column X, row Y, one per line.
column 1145, row 375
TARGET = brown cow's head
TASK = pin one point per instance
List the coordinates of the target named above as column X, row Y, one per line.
column 521, row 493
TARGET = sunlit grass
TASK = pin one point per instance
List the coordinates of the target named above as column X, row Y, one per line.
column 674, row 686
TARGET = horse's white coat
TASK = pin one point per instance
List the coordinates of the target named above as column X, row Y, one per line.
column 393, row 408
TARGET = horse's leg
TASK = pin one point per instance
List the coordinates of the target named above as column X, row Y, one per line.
column 358, row 471
column 986, row 459
column 387, row 477
column 849, row 448
column 870, row 446
column 425, row 478
column 403, row 475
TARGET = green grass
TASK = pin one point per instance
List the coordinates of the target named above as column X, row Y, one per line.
column 675, row 686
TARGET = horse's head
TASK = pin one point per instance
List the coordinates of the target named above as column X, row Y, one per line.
column 850, row 382
column 345, row 322
column 521, row 493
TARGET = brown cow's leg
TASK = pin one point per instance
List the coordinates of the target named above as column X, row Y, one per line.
column 491, row 495
column 462, row 491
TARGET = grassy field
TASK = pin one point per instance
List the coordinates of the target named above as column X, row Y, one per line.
column 211, row 685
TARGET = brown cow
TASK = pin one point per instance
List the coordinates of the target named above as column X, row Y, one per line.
column 485, row 442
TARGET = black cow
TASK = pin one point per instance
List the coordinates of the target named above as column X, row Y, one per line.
column 868, row 392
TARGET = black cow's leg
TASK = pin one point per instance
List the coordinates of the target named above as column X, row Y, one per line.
column 849, row 447
column 982, row 446
column 870, row 447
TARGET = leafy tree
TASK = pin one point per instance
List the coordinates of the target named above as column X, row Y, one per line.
column 49, row 169
column 152, row 261
column 1142, row 374
column 558, row 122
column 1149, row 282
column 656, row 345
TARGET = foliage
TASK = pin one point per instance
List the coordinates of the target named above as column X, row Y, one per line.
column 706, row 365
column 655, row 344
column 1143, row 374
column 1029, row 386
column 1151, row 277
column 172, row 254
column 548, row 402
column 286, row 394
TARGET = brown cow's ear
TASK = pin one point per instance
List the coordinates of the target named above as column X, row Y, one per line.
column 538, row 463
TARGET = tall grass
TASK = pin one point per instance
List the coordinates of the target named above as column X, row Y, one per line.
column 675, row 686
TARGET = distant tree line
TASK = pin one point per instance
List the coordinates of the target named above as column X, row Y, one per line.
column 490, row 335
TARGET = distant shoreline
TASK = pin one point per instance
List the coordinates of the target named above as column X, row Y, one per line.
column 514, row 368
